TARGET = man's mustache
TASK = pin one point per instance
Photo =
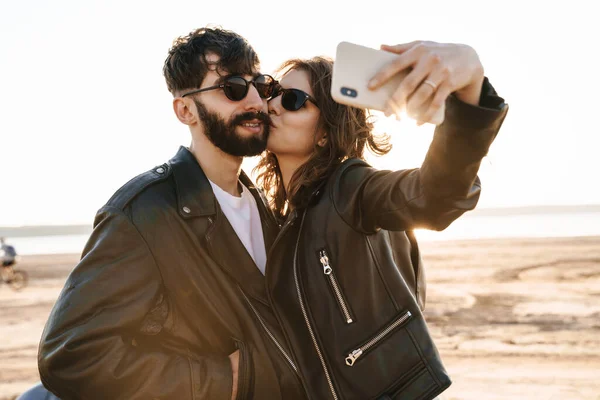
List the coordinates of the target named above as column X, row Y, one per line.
column 248, row 116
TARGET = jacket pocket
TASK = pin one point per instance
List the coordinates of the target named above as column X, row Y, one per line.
column 421, row 386
column 245, row 384
column 329, row 274
column 376, row 339
column 398, row 357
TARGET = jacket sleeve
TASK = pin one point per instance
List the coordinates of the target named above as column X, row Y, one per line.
column 84, row 352
column 441, row 190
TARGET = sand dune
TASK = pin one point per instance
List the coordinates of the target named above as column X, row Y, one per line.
column 513, row 319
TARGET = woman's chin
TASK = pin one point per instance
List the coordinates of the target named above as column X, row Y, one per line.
column 272, row 145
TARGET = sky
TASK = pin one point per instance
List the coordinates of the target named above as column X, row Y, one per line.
column 84, row 106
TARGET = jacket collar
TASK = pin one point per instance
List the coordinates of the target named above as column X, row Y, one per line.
column 195, row 197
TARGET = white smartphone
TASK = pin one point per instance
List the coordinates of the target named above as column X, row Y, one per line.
column 353, row 68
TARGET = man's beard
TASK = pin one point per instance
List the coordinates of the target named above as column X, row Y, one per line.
column 222, row 134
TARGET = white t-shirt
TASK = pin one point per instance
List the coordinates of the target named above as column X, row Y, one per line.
column 242, row 214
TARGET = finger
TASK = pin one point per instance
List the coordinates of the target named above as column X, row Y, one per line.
column 392, row 109
column 388, row 71
column 418, row 102
column 410, row 82
column 441, row 95
column 439, row 78
column 398, row 48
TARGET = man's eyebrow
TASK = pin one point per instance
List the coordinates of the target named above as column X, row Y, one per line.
column 222, row 79
column 243, row 74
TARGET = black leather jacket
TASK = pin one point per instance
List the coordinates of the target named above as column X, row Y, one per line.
column 345, row 278
column 163, row 293
column 165, row 290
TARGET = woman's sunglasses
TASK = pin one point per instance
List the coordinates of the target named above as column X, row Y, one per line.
column 236, row 87
column 292, row 99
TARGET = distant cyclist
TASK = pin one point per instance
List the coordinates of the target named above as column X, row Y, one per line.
column 8, row 254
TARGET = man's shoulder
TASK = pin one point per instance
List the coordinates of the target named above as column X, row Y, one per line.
column 142, row 183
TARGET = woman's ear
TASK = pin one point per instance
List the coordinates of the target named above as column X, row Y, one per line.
column 323, row 141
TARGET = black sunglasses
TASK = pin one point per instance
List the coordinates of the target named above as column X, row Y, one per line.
column 236, row 87
column 292, row 99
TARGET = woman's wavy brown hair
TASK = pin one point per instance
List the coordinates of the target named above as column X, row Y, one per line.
column 348, row 129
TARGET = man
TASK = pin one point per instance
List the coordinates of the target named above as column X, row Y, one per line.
column 169, row 300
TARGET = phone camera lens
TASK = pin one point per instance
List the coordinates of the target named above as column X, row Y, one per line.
column 349, row 92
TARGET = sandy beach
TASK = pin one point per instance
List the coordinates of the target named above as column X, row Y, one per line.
column 513, row 319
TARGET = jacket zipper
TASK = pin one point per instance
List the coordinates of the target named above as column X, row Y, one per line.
column 355, row 354
column 305, row 315
column 328, row 271
column 285, row 355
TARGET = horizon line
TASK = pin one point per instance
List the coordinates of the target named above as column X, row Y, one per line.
column 80, row 228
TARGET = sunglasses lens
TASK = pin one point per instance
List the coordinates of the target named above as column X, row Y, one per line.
column 235, row 88
column 265, row 86
column 292, row 99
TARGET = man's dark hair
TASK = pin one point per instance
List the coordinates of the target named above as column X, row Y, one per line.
column 186, row 65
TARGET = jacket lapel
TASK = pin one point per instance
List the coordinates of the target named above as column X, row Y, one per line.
column 230, row 253
column 195, row 199
column 270, row 227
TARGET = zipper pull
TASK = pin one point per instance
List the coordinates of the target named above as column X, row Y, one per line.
column 352, row 357
column 325, row 262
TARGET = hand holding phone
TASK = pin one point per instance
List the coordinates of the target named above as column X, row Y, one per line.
column 437, row 70
column 355, row 66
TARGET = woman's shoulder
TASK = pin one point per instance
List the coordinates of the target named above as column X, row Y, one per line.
column 347, row 165
column 347, row 175
column 354, row 161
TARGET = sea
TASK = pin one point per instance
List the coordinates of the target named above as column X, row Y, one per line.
column 485, row 225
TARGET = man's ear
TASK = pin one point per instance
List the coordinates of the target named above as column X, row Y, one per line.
column 183, row 112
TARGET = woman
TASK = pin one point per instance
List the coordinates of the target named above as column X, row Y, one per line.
column 344, row 275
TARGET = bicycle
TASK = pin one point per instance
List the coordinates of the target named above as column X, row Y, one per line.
column 15, row 279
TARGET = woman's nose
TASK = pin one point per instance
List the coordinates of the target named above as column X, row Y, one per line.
column 275, row 105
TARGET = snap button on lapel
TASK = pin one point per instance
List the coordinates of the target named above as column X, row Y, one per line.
column 160, row 170
column 186, row 210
